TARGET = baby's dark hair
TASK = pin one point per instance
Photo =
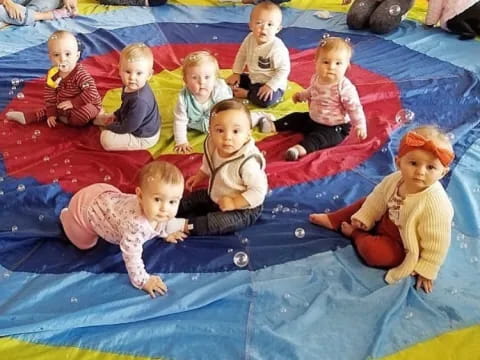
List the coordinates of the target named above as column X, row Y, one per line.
column 160, row 171
column 230, row 104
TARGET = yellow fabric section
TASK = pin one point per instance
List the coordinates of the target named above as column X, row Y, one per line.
column 90, row 7
column 459, row 345
column 22, row 350
column 167, row 84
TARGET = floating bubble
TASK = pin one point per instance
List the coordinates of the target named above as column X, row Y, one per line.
column 461, row 237
column 318, row 196
column 41, row 217
column 287, row 296
column 463, row 245
column 14, row 228
column 20, row 187
column 294, row 210
column 244, row 241
column 55, row 180
column 6, row 275
column 46, row 158
column 107, row 178
column 338, row 129
column 454, row 291
column 11, row 93
column 361, row 4
column 326, row 36
column 195, row 277
column 230, row 250
column 240, row 259
column 409, row 315
column 1, row 193
column 19, row 142
column 327, row 210
column 474, row 259
column 299, row 233
column 384, row 150
column 214, row 37
column 20, row 95
column 451, row 136
column 395, row 10
column 404, row 116
column 1, row 178
column 68, row 172
column 66, row 161
column 74, row 180
column 36, row 132
column 335, row 197
column 245, row 102
column 283, row 310
column 15, row 82
column 286, row 210
column 73, row 300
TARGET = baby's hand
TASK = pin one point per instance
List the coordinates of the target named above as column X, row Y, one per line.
column 155, row 284
column 361, row 133
column 65, row 105
column 191, row 182
column 226, row 203
column 299, row 97
column 423, row 283
column 233, row 80
column 357, row 224
column 175, row 237
column 52, row 121
column 183, row 148
column 265, row 93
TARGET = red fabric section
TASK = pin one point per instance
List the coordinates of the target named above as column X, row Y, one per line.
column 87, row 162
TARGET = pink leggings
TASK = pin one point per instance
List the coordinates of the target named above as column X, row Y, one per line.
column 380, row 247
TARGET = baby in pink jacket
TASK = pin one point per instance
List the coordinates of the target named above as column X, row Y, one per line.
column 461, row 17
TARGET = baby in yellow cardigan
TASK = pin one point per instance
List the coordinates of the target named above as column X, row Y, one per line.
column 404, row 224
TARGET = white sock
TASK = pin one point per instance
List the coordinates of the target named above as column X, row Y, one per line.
column 17, row 116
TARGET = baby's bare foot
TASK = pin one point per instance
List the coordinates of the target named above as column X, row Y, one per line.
column 322, row 220
column 347, row 229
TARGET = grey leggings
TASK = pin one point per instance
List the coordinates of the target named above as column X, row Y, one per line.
column 380, row 16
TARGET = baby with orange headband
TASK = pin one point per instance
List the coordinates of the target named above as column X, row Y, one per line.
column 404, row 224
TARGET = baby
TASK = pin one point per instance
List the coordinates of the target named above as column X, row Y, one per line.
column 265, row 56
column 333, row 103
column 461, row 17
column 71, row 95
column 128, row 220
column 404, row 225
column 136, row 124
column 235, row 169
column 203, row 89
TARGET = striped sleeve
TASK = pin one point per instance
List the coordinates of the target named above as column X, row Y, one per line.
column 88, row 89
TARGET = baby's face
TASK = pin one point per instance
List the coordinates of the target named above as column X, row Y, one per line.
column 420, row 169
column 265, row 24
column 200, row 79
column 331, row 66
column 229, row 130
column 135, row 73
column 63, row 52
column 159, row 201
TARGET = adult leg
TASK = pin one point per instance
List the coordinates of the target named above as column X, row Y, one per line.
column 388, row 15
column 358, row 15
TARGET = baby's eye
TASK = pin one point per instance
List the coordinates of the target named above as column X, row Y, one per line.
column 207, row 77
column 156, row 199
column 431, row 167
column 139, row 73
column 173, row 202
column 219, row 131
column 339, row 63
column 413, row 163
column 236, row 131
column 325, row 62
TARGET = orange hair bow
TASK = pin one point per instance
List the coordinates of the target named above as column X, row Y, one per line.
column 413, row 141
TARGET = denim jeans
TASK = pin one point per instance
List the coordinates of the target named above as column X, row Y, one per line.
column 29, row 9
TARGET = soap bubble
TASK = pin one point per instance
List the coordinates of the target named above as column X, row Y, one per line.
column 409, row 315
column 245, row 241
column 326, row 36
column 395, row 10
column 41, row 217
column 20, row 187
column 214, row 37
column 36, row 132
column 73, row 300
column 20, row 95
column 14, row 228
column 107, row 178
column 404, row 116
column 46, row 158
column 240, row 259
column 299, row 233
column 66, row 161
column 15, row 82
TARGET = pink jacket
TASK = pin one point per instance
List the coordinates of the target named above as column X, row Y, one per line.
column 444, row 10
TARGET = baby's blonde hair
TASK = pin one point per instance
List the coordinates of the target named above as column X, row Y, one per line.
column 334, row 44
column 435, row 134
column 160, row 171
column 61, row 34
column 230, row 104
column 199, row 57
column 136, row 52
column 267, row 6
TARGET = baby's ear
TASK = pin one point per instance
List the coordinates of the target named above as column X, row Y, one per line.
column 397, row 162
column 138, row 192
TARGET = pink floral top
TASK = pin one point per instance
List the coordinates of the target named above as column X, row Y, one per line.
column 118, row 218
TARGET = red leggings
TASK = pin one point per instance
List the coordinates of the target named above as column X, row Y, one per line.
column 75, row 117
column 380, row 247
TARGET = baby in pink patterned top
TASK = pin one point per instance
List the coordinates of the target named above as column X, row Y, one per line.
column 333, row 101
column 130, row 220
